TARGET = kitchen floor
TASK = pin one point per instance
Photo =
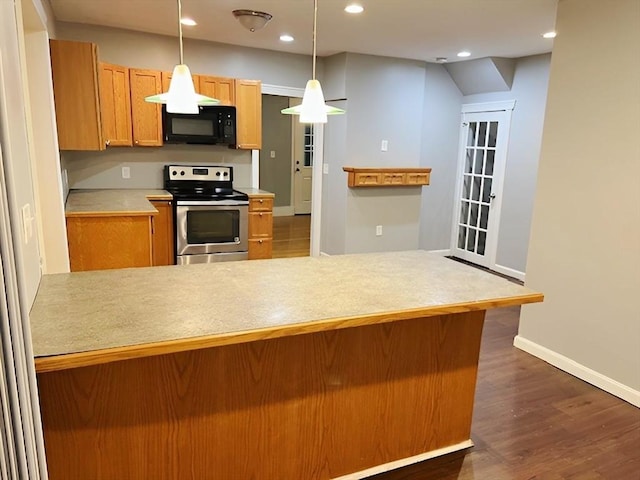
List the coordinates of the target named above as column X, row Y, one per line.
column 291, row 236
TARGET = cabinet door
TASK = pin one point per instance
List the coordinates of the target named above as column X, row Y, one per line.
column 249, row 114
column 146, row 117
column 115, row 105
column 222, row 88
column 162, row 234
column 100, row 243
column 74, row 66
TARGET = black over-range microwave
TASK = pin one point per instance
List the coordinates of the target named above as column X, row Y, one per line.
column 214, row 125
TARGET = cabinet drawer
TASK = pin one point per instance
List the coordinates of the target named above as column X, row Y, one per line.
column 417, row 179
column 260, row 224
column 368, row 178
column 260, row 204
column 260, row 248
column 393, row 178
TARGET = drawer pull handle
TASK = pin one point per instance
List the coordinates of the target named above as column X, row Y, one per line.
column 259, row 241
column 261, row 201
column 260, row 214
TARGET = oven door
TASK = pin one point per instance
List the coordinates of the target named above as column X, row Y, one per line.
column 208, row 227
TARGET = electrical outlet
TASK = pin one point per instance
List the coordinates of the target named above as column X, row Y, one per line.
column 378, row 230
column 325, row 168
column 384, row 146
column 273, row 154
column 126, row 172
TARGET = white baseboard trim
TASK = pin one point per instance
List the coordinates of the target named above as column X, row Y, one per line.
column 578, row 370
column 324, row 254
column 405, row 461
column 510, row 272
column 283, row 211
column 443, row 253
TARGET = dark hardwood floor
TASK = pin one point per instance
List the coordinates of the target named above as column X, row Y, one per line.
column 533, row 421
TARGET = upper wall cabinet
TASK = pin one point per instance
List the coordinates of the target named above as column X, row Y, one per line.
column 146, row 117
column 249, row 114
column 224, row 89
column 115, row 105
column 75, row 88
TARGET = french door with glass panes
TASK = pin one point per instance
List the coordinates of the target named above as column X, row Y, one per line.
column 483, row 149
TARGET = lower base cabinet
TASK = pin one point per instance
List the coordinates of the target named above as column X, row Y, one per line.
column 162, row 234
column 260, row 226
column 106, row 242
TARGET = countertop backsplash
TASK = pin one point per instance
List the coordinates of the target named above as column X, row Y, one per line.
column 145, row 165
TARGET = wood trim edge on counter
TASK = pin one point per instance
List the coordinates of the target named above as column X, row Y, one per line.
column 387, row 177
column 97, row 357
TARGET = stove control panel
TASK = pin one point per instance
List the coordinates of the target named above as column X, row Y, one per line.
column 199, row 173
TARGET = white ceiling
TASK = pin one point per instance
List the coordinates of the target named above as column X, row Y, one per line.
column 415, row 29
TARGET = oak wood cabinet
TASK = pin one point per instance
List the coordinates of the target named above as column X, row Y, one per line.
column 104, row 242
column 260, row 226
column 74, row 66
column 115, row 105
column 248, row 114
column 222, row 88
column 162, row 233
column 146, row 117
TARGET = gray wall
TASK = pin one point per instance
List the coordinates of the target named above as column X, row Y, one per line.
column 383, row 94
column 440, row 132
column 584, row 253
column 275, row 173
column 530, row 92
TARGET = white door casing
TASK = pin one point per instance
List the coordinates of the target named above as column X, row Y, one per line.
column 484, row 137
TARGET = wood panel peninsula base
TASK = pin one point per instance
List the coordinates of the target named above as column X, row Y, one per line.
column 343, row 397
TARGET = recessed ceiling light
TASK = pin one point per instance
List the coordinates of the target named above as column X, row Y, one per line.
column 464, row 53
column 286, row 38
column 188, row 21
column 354, row 8
column 549, row 35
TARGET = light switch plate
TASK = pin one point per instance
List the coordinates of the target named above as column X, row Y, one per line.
column 126, row 172
column 325, row 168
column 273, row 154
column 384, row 146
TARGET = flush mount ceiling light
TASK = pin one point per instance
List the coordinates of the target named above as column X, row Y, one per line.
column 464, row 53
column 286, row 38
column 549, row 35
column 313, row 109
column 181, row 97
column 251, row 19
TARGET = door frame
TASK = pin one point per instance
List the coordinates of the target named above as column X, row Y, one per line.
column 318, row 160
column 507, row 107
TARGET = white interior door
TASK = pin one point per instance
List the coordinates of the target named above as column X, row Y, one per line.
column 302, row 167
column 483, row 151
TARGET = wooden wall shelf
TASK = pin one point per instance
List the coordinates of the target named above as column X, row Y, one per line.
column 387, row 177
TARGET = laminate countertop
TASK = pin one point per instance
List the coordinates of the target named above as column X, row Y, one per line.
column 113, row 202
column 86, row 318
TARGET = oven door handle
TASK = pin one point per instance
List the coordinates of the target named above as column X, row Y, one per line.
column 206, row 203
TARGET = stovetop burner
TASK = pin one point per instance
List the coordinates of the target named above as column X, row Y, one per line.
column 186, row 182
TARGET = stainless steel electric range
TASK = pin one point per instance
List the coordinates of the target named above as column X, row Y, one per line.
column 211, row 218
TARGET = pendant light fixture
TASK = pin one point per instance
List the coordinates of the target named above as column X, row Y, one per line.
column 182, row 96
column 313, row 109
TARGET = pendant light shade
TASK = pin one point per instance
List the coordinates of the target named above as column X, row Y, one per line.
column 313, row 108
column 182, row 96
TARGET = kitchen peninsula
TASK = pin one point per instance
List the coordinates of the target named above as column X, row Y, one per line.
column 303, row 368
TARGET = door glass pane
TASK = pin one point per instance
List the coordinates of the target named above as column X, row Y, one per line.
column 471, row 240
column 308, row 145
column 482, row 242
column 491, row 155
column 482, row 134
column 473, row 126
column 473, row 220
column 468, row 168
column 462, row 237
column 464, row 213
column 486, row 190
column 484, row 216
column 466, row 187
column 476, row 188
column 493, row 134
column 479, row 162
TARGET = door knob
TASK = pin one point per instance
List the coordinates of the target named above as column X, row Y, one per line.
column 297, row 169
